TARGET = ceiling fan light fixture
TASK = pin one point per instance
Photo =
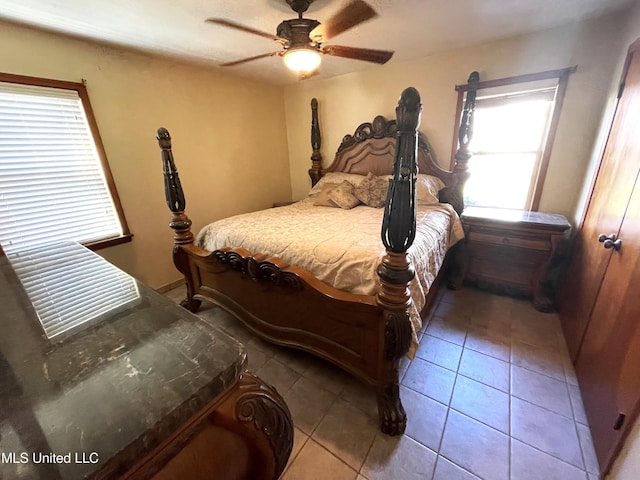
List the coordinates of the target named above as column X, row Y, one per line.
column 302, row 60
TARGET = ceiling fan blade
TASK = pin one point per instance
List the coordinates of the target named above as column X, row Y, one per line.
column 352, row 14
column 250, row 59
column 365, row 54
column 237, row 26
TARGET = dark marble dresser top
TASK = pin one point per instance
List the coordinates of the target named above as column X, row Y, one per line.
column 551, row 221
column 108, row 389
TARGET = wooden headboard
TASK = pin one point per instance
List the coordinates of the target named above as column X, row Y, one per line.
column 372, row 148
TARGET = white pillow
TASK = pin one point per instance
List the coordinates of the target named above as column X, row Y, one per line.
column 427, row 189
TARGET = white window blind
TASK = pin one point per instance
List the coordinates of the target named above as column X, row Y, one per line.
column 509, row 139
column 71, row 287
column 52, row 186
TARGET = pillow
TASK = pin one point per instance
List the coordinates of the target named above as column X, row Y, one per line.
column 323, row 200
column 344, row 195
column 427, row 189
column 337, row 178
column 372, row 191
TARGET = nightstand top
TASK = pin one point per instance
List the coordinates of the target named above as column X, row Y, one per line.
column 523, row 217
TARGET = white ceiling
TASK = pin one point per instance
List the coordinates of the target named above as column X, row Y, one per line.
column 412, row 28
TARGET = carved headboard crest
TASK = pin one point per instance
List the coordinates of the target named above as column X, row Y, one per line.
column 379, row 128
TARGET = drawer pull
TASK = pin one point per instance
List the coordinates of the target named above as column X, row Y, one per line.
column 506, row 241
column 608, row 243
column 602, row 237
column 619, row 421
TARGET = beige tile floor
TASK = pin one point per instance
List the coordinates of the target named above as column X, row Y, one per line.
column 491, row 394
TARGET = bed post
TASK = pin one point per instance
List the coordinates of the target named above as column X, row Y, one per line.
column 180, row 223
column 455, row 195
column 465, row 133
column 395, row 270
column 316, row 141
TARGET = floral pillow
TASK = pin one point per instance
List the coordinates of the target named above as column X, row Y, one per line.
column 322, row 199
column 372, row 191
column 344, row 195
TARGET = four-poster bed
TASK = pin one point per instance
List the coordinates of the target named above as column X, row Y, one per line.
column 365, row 334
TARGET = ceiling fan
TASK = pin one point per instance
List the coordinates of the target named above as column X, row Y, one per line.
column 302, row 39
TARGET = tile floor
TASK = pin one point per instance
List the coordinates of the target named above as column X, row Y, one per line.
column 491, row 394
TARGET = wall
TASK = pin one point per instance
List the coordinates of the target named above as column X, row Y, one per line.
column 209, row 114
column 349, row 100
column 627, row 465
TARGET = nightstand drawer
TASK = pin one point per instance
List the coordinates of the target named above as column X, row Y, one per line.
column 514, row 277
column 509, row 240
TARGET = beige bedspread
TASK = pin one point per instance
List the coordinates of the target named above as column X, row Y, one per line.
column 340, row 247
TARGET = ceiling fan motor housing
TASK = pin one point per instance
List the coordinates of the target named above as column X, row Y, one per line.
column 296, row 31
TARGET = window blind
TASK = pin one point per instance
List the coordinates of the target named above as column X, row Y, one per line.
column 52, row 186
column 509, row 139
column 70, row 286
column 499, row 100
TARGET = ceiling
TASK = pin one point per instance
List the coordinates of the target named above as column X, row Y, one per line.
column 412, row 28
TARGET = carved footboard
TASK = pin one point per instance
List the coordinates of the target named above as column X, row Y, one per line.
column 365, row 335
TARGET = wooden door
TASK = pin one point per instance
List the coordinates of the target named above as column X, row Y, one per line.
column 609, row 361
column 611, row 192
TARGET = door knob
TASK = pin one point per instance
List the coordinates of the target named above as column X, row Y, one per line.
column 602, row 237
column 611, row 244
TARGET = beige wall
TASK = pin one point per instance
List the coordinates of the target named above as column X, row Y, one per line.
column 228, row 135
column 349, row 100
column 627, row 466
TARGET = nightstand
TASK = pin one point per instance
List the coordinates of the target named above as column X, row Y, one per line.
column 515, row 252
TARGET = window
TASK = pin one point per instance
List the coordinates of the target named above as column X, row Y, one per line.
column 514, row 127
column 55, row 183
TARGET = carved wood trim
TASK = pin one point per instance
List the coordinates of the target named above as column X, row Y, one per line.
column 316, row 142
column 379, row 128
column 395, row 270
column 261, row 405
column 250, row 412
column 395, row 419
column 465, row 134
column 258, row 269
column 173, row 192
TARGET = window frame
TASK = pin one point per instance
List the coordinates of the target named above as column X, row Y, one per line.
column 562, row 76
column 81, row 89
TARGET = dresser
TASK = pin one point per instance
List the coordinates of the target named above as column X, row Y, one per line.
column 102, row 377
column 515, row 252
